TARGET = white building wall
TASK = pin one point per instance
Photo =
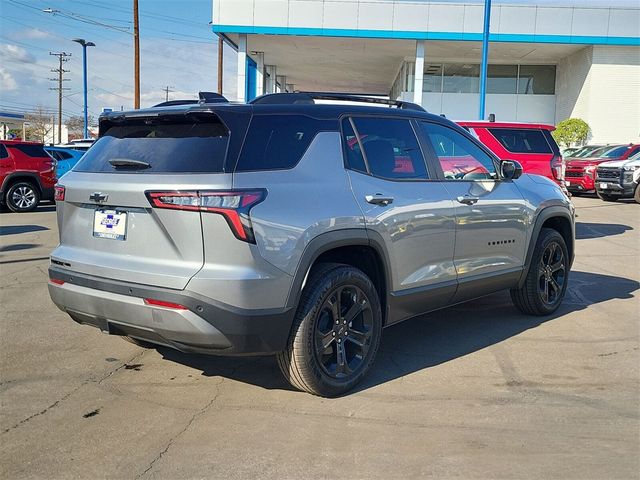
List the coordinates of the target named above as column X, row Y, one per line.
column 601, row 85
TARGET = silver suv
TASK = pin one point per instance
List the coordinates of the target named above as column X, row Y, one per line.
column 289, row 227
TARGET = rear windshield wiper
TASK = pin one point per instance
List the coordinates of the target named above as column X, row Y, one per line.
column 128, row 163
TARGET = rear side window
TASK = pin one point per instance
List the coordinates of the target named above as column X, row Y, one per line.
column 175, row 146
column 391, row 149
column 521, row 140
column 278, row 142
column 3, row 151
column 32, row 150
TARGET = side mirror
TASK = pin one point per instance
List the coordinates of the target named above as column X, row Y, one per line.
column 511, row 169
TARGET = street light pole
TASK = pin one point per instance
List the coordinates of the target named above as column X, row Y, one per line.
column 85, row 44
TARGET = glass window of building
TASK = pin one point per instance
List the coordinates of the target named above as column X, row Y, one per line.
column 461, row 78
column 537, row 79
column 432, row 79
column 502, row 79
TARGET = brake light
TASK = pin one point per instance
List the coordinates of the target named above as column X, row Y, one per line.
column 233, row 205
column 162, row 303
column 558, row 167
column 59, row 193
column 56, row 281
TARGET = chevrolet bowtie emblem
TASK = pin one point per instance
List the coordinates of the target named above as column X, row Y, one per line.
column 98, row 197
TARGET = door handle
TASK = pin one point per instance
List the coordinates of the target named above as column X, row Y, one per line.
column 378, row 199
column 468, row 200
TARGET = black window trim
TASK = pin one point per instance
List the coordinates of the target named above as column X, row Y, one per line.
column 411, row 120
column 464, row 133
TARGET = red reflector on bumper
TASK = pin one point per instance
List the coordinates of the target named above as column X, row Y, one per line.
column 55, row 281
column 162, row 303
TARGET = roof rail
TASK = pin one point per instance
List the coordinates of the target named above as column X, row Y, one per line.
column 203, row 97
column 309, row 97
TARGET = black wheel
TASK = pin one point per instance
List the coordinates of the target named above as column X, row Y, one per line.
column 139, row 343
column 336, row 332
column 548, row 276
column 606, row 197
column 22, row 197
column 636, row 195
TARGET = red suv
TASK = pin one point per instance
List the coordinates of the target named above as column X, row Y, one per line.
column 581, row 172
column 531, row 144
column 27, row 175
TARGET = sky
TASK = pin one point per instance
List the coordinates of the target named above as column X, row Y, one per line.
column 177, row 49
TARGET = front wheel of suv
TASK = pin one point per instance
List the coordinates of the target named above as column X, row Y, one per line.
column 22, row 197
column 546, row 281
column 336, row 332
column 636, row 194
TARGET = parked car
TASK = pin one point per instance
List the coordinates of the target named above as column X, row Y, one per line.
column 81, row 145
column 581, row 172
column 27, row 175
column 531, row 144
column 585, row 151
column 567, row 152
column 619, row 179
column 65, row 158
column 263, row 228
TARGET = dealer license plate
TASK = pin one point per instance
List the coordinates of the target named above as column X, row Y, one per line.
column 604, row 186
column 110, row 224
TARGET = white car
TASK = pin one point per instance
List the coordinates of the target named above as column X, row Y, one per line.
column 619, row 179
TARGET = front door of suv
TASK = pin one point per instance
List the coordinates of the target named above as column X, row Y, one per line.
column 407, row 213
column 491, row 217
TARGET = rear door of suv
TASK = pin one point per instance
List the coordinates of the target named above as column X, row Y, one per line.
column 405, row 207
column 130, row 209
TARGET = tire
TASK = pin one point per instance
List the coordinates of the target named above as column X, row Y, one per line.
column 636, row 195
column 22, row 197
column 333, row 291
column 548, row 272
column 139, row 343
column 606, row 197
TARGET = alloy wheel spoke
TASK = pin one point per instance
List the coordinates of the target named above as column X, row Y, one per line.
column 545, row 291
column 358, row 338
column 353, row 312
column 341, row 359
column 325, row 339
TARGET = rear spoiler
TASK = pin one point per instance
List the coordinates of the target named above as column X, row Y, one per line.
column 203, row 97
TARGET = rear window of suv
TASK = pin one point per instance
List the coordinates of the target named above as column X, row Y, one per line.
column 521, row 140
column 36, row 151
column 189, row 145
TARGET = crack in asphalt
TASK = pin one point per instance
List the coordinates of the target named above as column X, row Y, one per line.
column 171, row 441
column 64, row 397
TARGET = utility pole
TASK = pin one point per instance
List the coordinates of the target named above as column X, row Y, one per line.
column 166, row 92
column 62, row 58
column 136, row 56
column 220, row 50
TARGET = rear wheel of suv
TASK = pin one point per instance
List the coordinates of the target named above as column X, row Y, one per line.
column 606, row 197
column 636, row 195
column 336, row 332
column 22, row 197
column 546, row 281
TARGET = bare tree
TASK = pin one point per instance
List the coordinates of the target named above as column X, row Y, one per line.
column 75, row 125
column 40, row 124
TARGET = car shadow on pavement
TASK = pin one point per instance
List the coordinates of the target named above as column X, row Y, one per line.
column 428, row 340
column 17, row 229
column 585, row 231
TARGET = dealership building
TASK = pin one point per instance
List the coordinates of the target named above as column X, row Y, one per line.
column 546, row 63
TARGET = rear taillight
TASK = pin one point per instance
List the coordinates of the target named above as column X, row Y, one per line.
column 56, row 281
column 558, row 167
column 59, row 193
column 233, row 205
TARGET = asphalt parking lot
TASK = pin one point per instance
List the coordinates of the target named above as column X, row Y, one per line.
column 474, row 391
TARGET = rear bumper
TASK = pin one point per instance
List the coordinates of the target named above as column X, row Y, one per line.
column 204, row 326
column 48, row 193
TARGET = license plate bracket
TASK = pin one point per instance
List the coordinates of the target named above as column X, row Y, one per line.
column 110, row 223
